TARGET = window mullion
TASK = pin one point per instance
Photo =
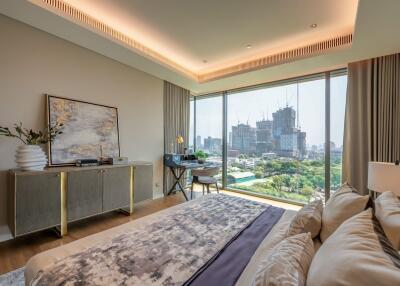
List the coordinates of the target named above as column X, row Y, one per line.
column 224, row 138
column 194, row 125
column 327, row 135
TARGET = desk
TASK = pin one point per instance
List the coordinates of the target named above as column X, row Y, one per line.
column 178, row 168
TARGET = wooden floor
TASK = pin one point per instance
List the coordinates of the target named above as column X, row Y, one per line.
column 15, row 253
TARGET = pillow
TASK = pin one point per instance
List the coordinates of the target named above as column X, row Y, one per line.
column 344, row 204
column 356, row 254
column 288, row 262
column 308, row 219
column 387, row 211
column 317, row 244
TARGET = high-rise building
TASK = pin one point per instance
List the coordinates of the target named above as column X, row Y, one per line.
column 244, row 138
column 301, row 143
column 279, row 135
column 213, row 145
column 284, row 121
column 198, row 142
column 264, row 136
column 289, row 140
column 288, row 145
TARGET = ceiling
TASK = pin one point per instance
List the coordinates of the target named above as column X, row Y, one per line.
column 191, row 31
column 183, row 33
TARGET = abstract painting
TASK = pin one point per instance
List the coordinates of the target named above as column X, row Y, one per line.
column 89, row 130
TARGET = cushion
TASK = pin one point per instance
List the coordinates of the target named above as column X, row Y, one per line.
column 387, row 211
column 317, row 244
column 356, row 254
column 344, row 204
column 288, row 262
column 307, row 219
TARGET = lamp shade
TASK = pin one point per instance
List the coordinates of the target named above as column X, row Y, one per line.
column 384, row 177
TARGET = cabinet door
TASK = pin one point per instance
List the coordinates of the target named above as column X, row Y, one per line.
column 116, row 188
column 37, row 202
column 143, row 187
column 84, row 196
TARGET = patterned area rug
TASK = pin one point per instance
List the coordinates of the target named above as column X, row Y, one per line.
column 14, row 278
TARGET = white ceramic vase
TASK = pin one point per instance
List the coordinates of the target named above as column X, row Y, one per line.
column 30, row 158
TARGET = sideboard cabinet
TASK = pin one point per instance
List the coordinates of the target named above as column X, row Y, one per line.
column 57, row 196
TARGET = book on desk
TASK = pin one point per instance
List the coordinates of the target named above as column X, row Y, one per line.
column 179, row 160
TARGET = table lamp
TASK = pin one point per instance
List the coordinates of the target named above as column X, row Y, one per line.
column 179, row 139
column 384, row 177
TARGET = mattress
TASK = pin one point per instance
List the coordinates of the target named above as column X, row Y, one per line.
column 45, row 262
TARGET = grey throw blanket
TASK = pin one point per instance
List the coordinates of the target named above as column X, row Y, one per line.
column 170, row 250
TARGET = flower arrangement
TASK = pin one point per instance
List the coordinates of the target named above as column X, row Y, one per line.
column 30, row 156
column 30, row 137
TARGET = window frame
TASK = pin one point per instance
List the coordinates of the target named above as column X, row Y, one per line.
column 327, row 76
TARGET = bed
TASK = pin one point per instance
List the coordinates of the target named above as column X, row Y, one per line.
column 214, row 238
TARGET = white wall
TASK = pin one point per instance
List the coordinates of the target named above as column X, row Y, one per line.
column 33, row 62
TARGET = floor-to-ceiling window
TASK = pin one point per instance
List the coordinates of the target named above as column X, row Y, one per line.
column 208, row 126
column 338, row 105
column 276, row 140
column 191, row 127
column 275, row 136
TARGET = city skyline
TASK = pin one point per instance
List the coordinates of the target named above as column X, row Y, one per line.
column 261, row 104
column 279, row 135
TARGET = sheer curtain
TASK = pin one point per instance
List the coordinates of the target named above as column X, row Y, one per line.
column 372, row 123
column 176, row 123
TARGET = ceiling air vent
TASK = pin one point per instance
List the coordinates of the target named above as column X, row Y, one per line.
column 69, row 11
column 280, row 58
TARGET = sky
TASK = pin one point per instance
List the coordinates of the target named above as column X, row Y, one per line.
column 251, row 106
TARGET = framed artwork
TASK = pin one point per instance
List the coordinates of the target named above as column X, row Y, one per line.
column 89, row 130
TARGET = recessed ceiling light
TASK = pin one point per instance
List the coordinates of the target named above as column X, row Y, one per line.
column 205, row 61
column 313, row 26
column 248, row 47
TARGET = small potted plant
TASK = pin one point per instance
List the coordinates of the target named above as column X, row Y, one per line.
column 201, row 156
column 30, row 156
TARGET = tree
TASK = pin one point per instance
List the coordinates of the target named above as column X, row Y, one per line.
column 307, row 191
column 259, row 169
column 273, row 167
column 258, row 174
column 318, row 181
column 289, row 167
column 304, row 182
column 277, row 183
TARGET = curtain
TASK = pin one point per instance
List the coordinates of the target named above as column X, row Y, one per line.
column 176, row 123
column 372, row 119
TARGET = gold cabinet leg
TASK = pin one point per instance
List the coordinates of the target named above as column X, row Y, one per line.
column 129, row 210
column 64, row 221
column 132, row 189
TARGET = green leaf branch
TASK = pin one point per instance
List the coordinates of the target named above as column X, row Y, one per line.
column 30, row 137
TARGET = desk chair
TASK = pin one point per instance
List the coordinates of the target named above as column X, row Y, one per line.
column 204, row 177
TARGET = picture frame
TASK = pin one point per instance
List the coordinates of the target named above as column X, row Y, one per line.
column 90, row 130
